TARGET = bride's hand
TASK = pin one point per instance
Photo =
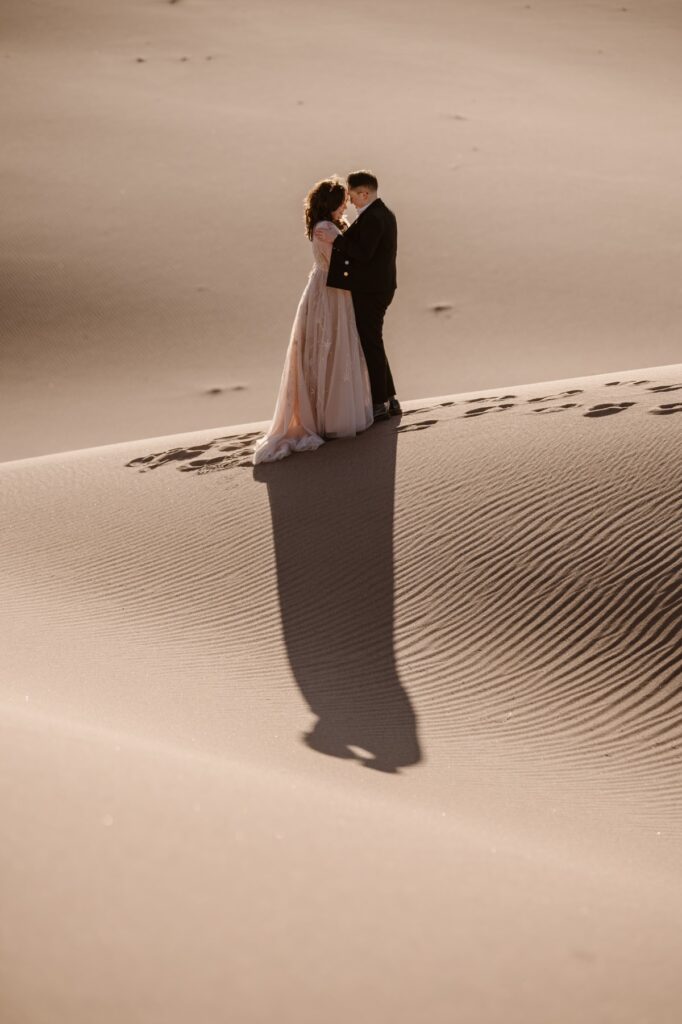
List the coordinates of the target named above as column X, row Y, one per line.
column 325, row 234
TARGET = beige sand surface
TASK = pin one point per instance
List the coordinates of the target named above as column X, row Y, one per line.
column 480, row 606
column 155, row 155
column 389, row 732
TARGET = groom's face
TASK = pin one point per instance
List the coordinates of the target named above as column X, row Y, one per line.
column 358, row 196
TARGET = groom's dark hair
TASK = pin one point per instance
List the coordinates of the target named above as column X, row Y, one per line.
column 359, row 178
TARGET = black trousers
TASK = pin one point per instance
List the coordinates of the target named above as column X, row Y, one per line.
column 370, row 310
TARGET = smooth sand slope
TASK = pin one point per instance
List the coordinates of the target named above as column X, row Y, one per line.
column 386, row 732
column 155, row 157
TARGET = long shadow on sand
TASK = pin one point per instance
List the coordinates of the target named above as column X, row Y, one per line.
column 332, row 522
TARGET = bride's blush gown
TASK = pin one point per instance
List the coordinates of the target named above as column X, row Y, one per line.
column 325, row 389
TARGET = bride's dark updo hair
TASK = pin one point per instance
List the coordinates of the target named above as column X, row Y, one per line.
column 320, row 203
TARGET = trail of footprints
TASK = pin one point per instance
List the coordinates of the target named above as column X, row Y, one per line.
column 496, row 404
column 231, row 451
column 237, row 452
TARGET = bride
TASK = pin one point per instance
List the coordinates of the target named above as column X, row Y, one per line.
column 325, row 390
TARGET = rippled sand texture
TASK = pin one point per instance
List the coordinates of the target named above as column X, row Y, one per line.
column 389, row 731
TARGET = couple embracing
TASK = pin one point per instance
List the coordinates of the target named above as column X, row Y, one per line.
column 336, row 380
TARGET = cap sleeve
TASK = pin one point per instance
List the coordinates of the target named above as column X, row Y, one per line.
column 328, row 224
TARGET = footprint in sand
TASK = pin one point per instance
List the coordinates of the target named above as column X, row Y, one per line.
column 492, row 408
column 666, row 410
column 147, row 462
column 205, row 464
column 666, row 387
column 489, row 398
column 242, row 458
column 430, row 408
column 563, row 394
column 221, row 390
column 558, row 408
column 411, row 427
column 608, row 408
column 614, row 383
column 238, row 449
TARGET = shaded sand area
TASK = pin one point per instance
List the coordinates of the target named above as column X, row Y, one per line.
column 385, row 732
column 155, row 156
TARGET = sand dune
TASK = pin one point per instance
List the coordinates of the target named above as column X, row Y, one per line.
column 156, row 157
column 387, row 731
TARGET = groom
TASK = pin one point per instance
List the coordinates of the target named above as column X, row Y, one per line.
column 363, row 262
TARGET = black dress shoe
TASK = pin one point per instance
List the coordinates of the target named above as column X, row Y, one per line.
column 380, row 411
column 394, row 407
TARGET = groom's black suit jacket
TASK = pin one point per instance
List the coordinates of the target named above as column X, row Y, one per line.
column 363, row 258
